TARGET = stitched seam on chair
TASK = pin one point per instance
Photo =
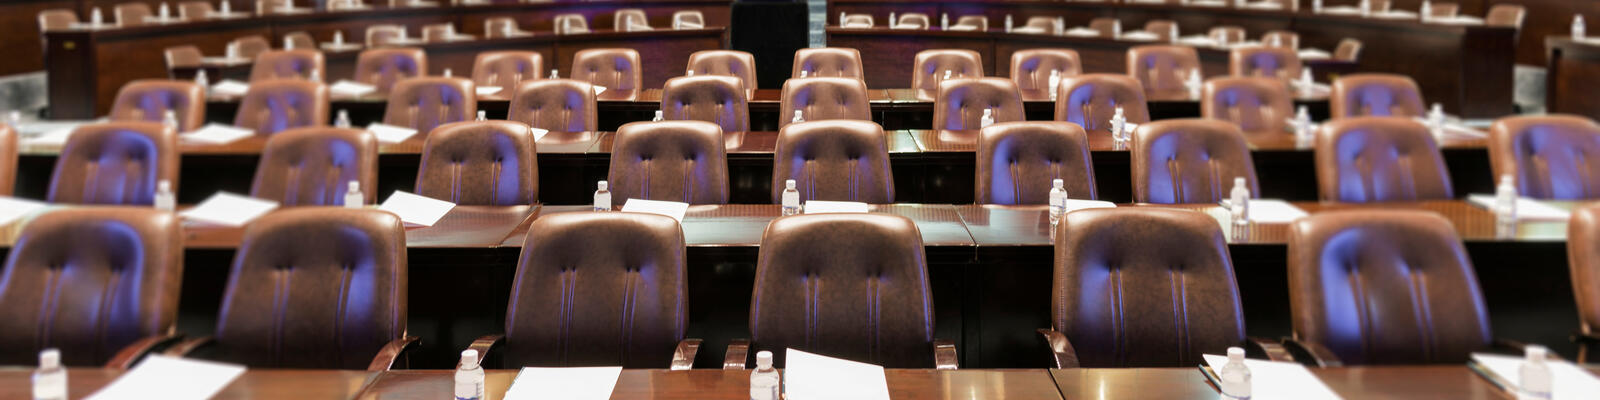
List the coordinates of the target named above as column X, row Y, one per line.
column 342, row 309
column 855, row 180
column 455, row 182
column 91, row 187
column 332, row 190
column 630, row 296
column 813, row 289
column 280, row 300
column 688, row 180
column 1358, row 293
column 1180, row 312
column 1214, row 185
column 644, row 178
column 569, row 283
column 1016, row 186
column 1424, row 312
column 1541, row 168
column 874, row 317
column 1174, row 174
column 1580, row 163
column 102, row 317
column 495, row 171
column 1119, row 328
column 1366, row 177
column 291, row 186
column 1410, row 182
column 47, row 307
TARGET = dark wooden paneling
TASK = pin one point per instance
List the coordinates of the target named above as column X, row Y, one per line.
column 19, row 34
column 1574, row 77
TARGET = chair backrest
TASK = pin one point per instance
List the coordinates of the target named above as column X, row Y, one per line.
column 1371, row 159
column 501, row 27
column 314, row 166
column 630, row 19
column 1042, row 24
column 716, row 99
column 1108, row 27
column 681, row 161
column 824, row 99
column 614, row 68
column 975, row 22
column 1382, row 5
column 289, row 64
column 856, row 21
column 325, row 286
column 434, row 33
column 427, row 102
column 1030, row 68
column 57, row 19
column 566, row 24
column 1443, row 10
column 195, row 10
column 8, row 159
column 961, row 103
column 1123, row 305
column 1273, row 62
column 866, row 259
column 92, row 280
column 1164, row 70
column 1549, row 157
column 1506, row 15
column 1281, row 38
column 182, row 56
column 115, row 163
column 1583, row 255
column 480, row 163
column 556, row 105
column 299, row 40
column 1376, row 95
column 1017, row 161
column 1185, row 161
column 732, row 63
column 630, row 309
column 382, row 35
column 382, row 68
column 132, row 14
column 1090, row 100
column 1377, row 286
column 1348, row 50
column 688, row 19
column 1227, row 34
column 840, row 160
column 931, row 66
column 149, row 100
column 1166, row 30
column 831, row 62
column 251, row 46
column 913, row 21
column 280, row 104
column 506, row 69
column 1259, row 106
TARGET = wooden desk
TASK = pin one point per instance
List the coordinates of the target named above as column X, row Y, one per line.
column 1573, row 76
column 16, row 383
column 711, row 384
column 1408, row 382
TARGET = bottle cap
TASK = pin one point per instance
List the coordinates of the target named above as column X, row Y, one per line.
column 164, row 186
column 764, row 359
column 50, row 358
column 355, row 186
column 988, row 112
column 469, row 358
column 1057, row 183
column 1235, row 353
column 1238, row 181
column 788, row 184
column 603, row 185
column 1507, row 180
column 483, row 115
column 1536, row 352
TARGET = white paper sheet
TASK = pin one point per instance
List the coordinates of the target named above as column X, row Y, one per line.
column 1272, row 380
column 586, row 383
column 228, row 209
column 488, row 90
column 218, row 134
column 1314, row 54
column 56, row 137
column 12, row 209
column 810, row 376
column 1139, row 35
column 1568, row 382
column 1075, row 204
column 390, row 133
column 820, row 207
column 346, row 88
column 1270, row 210
column 1082, row 32
column 538, row 133
column 599, row 89
column 170, row 378
column 672, row 209
column 416, row 209
column 229, row 87
column 1527, row 209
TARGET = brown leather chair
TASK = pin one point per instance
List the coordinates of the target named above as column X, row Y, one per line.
column 630, row 20
column 732, row 63
column 281, row 104
column 1443, row 10
column 251, row 46
column 931, row 66
column 618, row 70
column 289, row 64
column 8, row 159
column 100, row 282
column 1039, row 24
column 1163, row 70
column 978, row 23
column 195, row 10
column 115, row 163
column 715, row 99
column 427, row 102
column 1017, row 161
column 314, row 166
column 299, row 40
column 313, row 287
column 570, row 24
column 1281, row 38
column 1166, row 30
column 680, row 161
column 503, row 27
column 1349, row 50
column 839, row 160
column 1273, row 62
column 1583, row 251
column 1116, row 303
column 1030, row 68
column 1506, row 15
column 1189, row 161
column 506, row 69
column 1227, row 34
column 913, row 21
column 1548, row 156
column 688, row 19
column 57, row 19
column 870, row 259
column 1376, row 95
column 439, row 33
column 1372, row 159
column 1382, row 5
column 1108, row 27
column 1259, row 106
column 382, row 68
column 480, row 163
column 1090, row 100
column 824, row 99
column 856, row 21
column 961, row 103
column 382, row 35
column 630, row 309
column 186, row 56
column 132, row 14
column 831, row 62
column 149, row 100
column 556, row 105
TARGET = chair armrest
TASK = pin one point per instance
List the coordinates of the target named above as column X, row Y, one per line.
column 1311, row 354
column 386, row 356
column 1060, row 348
column 136, row 351
column 1262, row 347
column 944, row 354
column 738, row 352
column 485, row 344
column 683, row 356
column 183, row 348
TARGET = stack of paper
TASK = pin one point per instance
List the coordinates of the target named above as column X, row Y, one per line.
column 1082, row 32
column 416, row 209
column 1527, row 209
column 390, row 133
column 1270, row 211
column 672, row 209
column 588, row 383
column 538, row 133
column 55, row 137
column 488, row 90
column 231, row 88
column 218, row 134
column 1075, row 204
column 1140, row 36
column 821, row 207
column 345, row 88
column 1314, row 54
column 1272, row 380
column 1567, row 380
column 165, row 377
column 12, row 209
column 814, row 377
column 228, row 209
column 599, row 89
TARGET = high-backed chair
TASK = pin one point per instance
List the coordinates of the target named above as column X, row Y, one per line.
column 502, row 27
column 1273, row 62
column 1372, row 159
column 1038, row 25
column 427, row 102
column 1227, row 34
column 856, row 21
column 1348, row 50
column 298, row 40
column 56, row 19
column 1376, row 95
column 1090, row 100
column 289, row 64
column 456, row 157
column 630, row 20
column 132, row 14
column 978, row 23
column 556, row 105
column 913, row 21
column 384, row 34
column 681, row 161
column 1164, row 70
column 961, row 103
column 506, row 69
column 1108, row 27
column 8, row 159
column 933, row 66
column 824, row 99
column 186, row 56
column 1031, row 68
column 281, row 104
column 616, row 69
column 313, row 287
column 570, row 24
column 314, row 166
column 1506, row 15
column 1281, row 38
column 688, row 19
column 115, row 163
column 840, row 160
column 1382, row 5
column 195, row 10
column 871, row 259
column 1583, row 255
column 716, row 99
column 630, row 309
column 1443, row 10
column 446, row 32
column 1259, row 106
column 1166, row 30
column 149, row 100
column 382, row 68
column 1188, row 161
column 832, row 62
column 101, row 282
column 732, row 63
column 1548, row 156
column 250, row 46
column 1018, row 160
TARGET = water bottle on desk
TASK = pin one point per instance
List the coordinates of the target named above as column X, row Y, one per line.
column 165, row 200
column 1505, row 207
column 1194, row 83
column 50, row 380
column 338, row 38
column 553, row 75
column 201, row 80
column 1239, row 202
column 1579, row 31
column 1008, row 23
column 798, row 117
column 1058, row 201
column 1117, row 121
column 1055, row 83
column 1436, row 121
column 165, row 12
column 1302, row 126
column 353, row 197
column 658, row 117
column 1536, row 380
column 893, row 21
column 765, row 381
column 602, row 197
column 169, row 118
column 483, row 115
column 1316, row 6
column 96, row 18
column 342, row 120
column 1427, row 8
column 987, row 118
column 944, row 21
column 469, row 377
column 791, row 198
column 1235, row 376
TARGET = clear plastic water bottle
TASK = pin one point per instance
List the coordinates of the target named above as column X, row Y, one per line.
column 469, row 377
column 1239, row 201
column 1366, row 8
column 554, row 75
column 1117, row 121
column 1579, row 31
column 1054, row 83
column 50, row 380
column 1194, row 83
column 165, row 12
column 1302, row 125
column 602, row 197
column 1235, row 376
column 799, row 117
column 96, row 18
column 987, row 118
column 353, row 197
column 169, row 118
column 948, row 74
column 1535, row 380
column 224, row 8
column 1058, row 201
column 314, row 75
column 14, row 119
column 1316, row 6
column 1427, row 8
column 1008, row 23
column 1307, row 82
column 342, row 120
column 893, row 21
column 1505, row 207
column 1436, row 120
column 201, row 80
column 791, row 198
column 338, row 38
column 165, row 200
column 658, row 117
column 803, row 73
column 447, row 72
column 764, row 381
column 483, row 115
column 944, row 21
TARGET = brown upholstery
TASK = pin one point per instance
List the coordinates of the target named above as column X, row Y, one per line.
column 1549, row 157
column 506, row 68
column 832, row 62
column 616, row 69
column 824, row 99
column 1444, row 10
column 480, row 163
column 629, row 20
column 839, row 160
column 1189, row 161
column 680, row 161
column 502, row 27
column 931, row 65
column 382, row 35
column 289, row 64
column 150, row 99
column 382, row 68
column 1369, row 159
column 435, row 33
column 556, row 105
column 1259, row 106
column 57, row 19
column 961, row 102
column 1506, row 15
column 115, row 163
column 1108, row 27
column 1040, row 25
column 251, row 46
column 1166, row 30
column 567, row 24
column 1227, row 34
column 276, row 105
column 1030, row 68
column 297, row 41
column 1284, row 39
column 715, row 99
column 1348, row 50
column 913, row 21
column 876, row 306
column 182, row 56
column 732, row 63
column 1381, row 286
column 1382, row 5
column 1090, row 100
column 974, row 22
column 1273, row 62
column 1583, row 253
column 91, row 281
column 1376, row 95
column 314, row 166
column 1017, row 161
column 195, row 10
column 688, row 19
column 8, row 159
column 426, row 102
column 1163, row 70
column 630, row 308
column 857, row 21
column 132, row 14
column 1123, row 305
